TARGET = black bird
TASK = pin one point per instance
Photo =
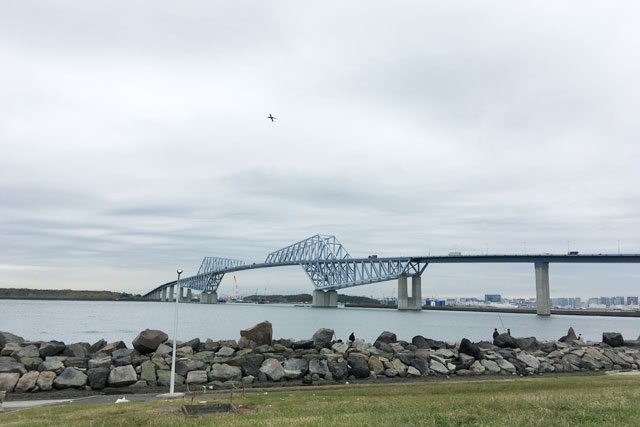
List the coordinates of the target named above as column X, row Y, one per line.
column 271, row 117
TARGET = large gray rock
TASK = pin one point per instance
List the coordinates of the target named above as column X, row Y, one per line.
column 375, row 365
column 102, row 362
column 295, row 368
column 477, row 368
column 505, row 341
column 31, row 363
column 97, row 346
column 421, row 365
column 261, row 334
column 28, row 351
column 225, row 352
column 148, row 372
column 273, row 369
column 7, row 337
column 45, row 380
column 70, row 378
column 318, row 366
column 387, row 337
column 11, row 366
column 122, row 376
column 359, row 369
column 469, row 348
column 183, row 367
column 438, row 367
column 51, row 348
column 339, row 369
column 224, row 372
column 302, row 344
column 465, row 361
column 164, row 378
column 52, row 365
column 196, row 377
column 529, row 344
column 98, row 377
column 507, row 366
column 8, row 381
column 322, row 337
column 614, row 339
column 491, row 366
column 529, row 360
column 76, row 350
column 148, row 340
column 113, row 346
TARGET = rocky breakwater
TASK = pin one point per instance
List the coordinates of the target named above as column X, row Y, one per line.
column 256, row 358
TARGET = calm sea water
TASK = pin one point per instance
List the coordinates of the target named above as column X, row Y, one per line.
column 73, row 321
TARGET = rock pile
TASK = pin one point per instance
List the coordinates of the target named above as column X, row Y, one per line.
column 27, row 366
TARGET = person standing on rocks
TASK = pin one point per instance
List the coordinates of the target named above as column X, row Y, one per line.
column 495, row 333
column 352, row 337
column 509, row 331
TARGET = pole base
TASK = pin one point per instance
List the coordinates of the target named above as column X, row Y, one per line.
column 171, row 395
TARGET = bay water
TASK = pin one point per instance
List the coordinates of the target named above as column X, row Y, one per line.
column 89, row 321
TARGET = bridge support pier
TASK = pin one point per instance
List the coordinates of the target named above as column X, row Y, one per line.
column 188, row 295
column 182, row 298
column 325, row 298
column 208, row 298
column 413, row 302
column 543, row 304
column 164, row 295
column 171, row 293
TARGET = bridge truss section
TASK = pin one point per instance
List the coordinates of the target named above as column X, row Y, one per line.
column 210, row 274
column 329, row 266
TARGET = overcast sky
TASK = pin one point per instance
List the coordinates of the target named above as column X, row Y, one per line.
column 134, row 139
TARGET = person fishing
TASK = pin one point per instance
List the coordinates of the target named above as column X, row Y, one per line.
column 352, row 337
column 495, row 333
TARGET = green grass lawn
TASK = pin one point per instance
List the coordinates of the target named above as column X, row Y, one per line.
column 562, row 401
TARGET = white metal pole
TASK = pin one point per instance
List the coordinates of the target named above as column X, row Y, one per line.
column 175, row 337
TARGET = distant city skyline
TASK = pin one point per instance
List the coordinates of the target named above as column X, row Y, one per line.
column 135, row 143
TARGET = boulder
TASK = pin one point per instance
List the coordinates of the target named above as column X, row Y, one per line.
column 122, row 376
column 491, row 366
column 164, row 378
column 194, row 344
column 505, row 341
column 339, row 369
column 295, row 368
column 413, row 372
column 148, row 340
column 52, row 365
column 465, row 360
column 361, row 346
column 302, row 344
column 184, row 351
column 148, row 372
column 224, row 372
column 273, row 369
column 322, row 337
column 163, row 349
column 97, row 377
column 529, row 360
column 359, row 369
column 422, row 342
column 28, row 351
column 529, row 344
column 477, row 368
column 318, row 366
column 51, row 348
column 8, row 381
column 45, row 380
column 245, row 342
column 8, row 365
column 111, row 347
column 421, row 365
column 505, row 365
column 10, row 348
column 390, row 372
column 438, row 367
column 387, row 337
column 570, row 337
column 399, row 366
column 225, row 352
column 375, row 365
column 469, row 348
column 197, row 377
column 7, row 337
column 75, row 362
column 614, row 339
column 75, row 350
column 102, row 362
column 70, row 378
column 183, row 367
column 261, row 334
column 97, row 346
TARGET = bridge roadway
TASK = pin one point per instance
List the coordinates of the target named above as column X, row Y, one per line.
column 326, row 296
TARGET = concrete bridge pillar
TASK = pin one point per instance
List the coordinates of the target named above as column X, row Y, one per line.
column 325, row 298
column 543, row 303
column 208, row 298
column 171, row 293
column 188, row 295
column 164, row 295
column 181, row 294
column 413, row 302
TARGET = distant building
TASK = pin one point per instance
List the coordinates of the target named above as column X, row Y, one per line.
column 492, row 298
column 632, row 300
column 591, row 301
column 577, row 302
column 617, row 301
column 606, row 301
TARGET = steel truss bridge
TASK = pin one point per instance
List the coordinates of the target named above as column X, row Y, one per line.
column 330, row 267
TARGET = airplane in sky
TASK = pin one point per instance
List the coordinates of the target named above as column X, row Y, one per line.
column 271, row 117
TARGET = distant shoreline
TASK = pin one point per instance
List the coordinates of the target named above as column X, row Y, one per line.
column 509, row 310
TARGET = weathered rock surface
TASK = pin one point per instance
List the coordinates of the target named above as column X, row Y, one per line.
column 7, row 337
column 322, row 337
column 9, row 365
column 224, row 372
column 273, row 369
column 45, row 380
column 387, row 337
column 122, row 376
column 183, row 367
column 51, row 348
column 505, row 341
column 97, row 377
column 261, row 334
column 359, row 369
column 614, row 339
column 197, row 377
column 469, row 348
column 8, row 381
column 70, row 378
